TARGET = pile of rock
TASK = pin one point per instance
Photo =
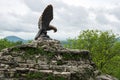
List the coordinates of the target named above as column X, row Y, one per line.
column 47, row 60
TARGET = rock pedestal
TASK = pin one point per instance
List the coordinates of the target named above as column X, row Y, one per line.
column 47, row 60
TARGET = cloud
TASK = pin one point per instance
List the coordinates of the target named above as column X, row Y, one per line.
column 9, row 14
column 35, row 5
column 101, row 18
column 72, row 16
column 115, row 11
column 20, row 17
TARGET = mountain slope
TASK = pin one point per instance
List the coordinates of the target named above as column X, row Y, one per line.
column 14, row 38
column 118, row 39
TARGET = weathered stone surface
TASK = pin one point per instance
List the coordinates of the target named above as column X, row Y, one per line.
column 43, row 59
column 105, row 77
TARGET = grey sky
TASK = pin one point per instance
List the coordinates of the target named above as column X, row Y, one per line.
column 20, row 17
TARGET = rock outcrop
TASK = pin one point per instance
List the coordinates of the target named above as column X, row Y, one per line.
column 47, row 60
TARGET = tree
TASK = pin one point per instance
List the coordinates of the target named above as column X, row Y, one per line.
column 102, row 45
column 4, row 43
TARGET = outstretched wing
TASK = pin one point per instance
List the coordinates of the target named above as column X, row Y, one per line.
column 46, row 17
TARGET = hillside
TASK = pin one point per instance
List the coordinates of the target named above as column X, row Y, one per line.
column 14, row 39
column 64, row 42
column 118, row 39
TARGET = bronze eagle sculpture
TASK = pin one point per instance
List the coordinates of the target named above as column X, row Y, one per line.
column 44, row 21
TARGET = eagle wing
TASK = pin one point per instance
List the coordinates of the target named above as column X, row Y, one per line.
column 45, row 18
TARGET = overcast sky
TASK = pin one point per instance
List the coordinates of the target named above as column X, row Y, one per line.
column 20, row 17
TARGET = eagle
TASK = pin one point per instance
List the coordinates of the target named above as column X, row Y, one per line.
column 44, row 22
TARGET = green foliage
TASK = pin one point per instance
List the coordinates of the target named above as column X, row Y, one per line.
column 60, row 62
column 31, row 52
column 4, row 43
column 103, row 46
column 29, row 41
column 43, row 76
column 68, row 56
column 34, row 75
